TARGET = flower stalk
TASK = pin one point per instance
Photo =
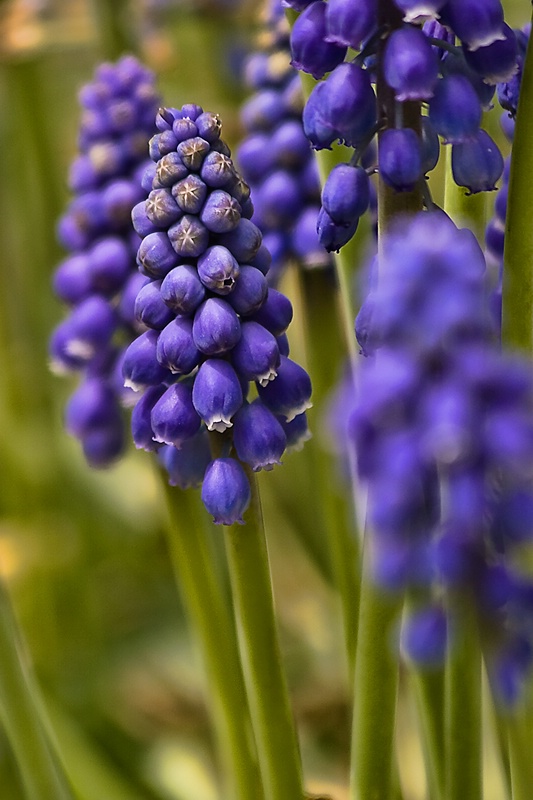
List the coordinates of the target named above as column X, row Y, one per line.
column 208, row 606
column 268, row 697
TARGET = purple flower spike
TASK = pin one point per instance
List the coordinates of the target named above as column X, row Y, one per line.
column 400, row 158
column 218, row 269
column 141, row 419
column 258, row 437
column 477, row 22
column 424, row 637
column 290, row 393
column 141, row 367
column 182, row 290
column 174, row 419
column 309, row 48
column 186, row 467
column 226, row 492
column 176, row 349
column 217, row 394
column 346, row 193
column 455, row 110
column 150, row 308
column 409, row 64
column 216, row 327
column 477, row 164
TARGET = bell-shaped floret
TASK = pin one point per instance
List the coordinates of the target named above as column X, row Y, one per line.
column 226, row 491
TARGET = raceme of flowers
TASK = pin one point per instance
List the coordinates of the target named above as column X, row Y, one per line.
column 99, row 279
column 443, row 427
column 421, row 63
column 214, row 325
column 275, row 156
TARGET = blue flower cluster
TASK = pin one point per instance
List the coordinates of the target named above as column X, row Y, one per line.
column 275, row 157
column 443, row 428
column 99, row 279
column 420, row 64
column 214, row 325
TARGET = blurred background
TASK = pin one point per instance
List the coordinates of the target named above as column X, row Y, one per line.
column 83, row 552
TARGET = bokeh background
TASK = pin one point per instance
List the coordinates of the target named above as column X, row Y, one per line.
column 83, row 552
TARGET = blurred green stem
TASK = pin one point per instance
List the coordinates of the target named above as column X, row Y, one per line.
column 521, row 762
column 517, row 311
column 463, row 708
column 323, row 340
column 272, row 720
column 207, row 604
column 376, row 687
column 113, row 25
column 19, row 712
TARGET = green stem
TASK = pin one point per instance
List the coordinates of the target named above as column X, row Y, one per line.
column 323, row 339
column 463, row 709
column 41, row 775
column 376, row 688
column 519, row 735
column 429, row 690
column 428, row 685
column 464, row 209
column 517, row 314
column 206, row 603
column 275, row 734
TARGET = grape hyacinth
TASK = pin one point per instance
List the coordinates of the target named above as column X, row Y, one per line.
column 443, row 427
column 275, row 157
column 98, row 279
column 418, row 65
column 215, row 326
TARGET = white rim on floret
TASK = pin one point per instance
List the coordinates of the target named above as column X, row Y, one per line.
column 295, row 412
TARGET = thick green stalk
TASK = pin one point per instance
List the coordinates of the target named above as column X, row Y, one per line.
column 41, row 775
column 376, row 688
column 463, row 709
column 517, row 313
column 205, row 599
column 272, row 720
